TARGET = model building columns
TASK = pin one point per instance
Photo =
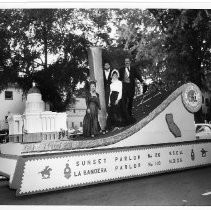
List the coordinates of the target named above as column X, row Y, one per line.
column 96, row 73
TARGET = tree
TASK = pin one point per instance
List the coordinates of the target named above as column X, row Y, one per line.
column 141, row 38
column 9, row 71
column 165, row 44
column 169, row 44
column 63, row 76
column 30, row 35
column 187, row 43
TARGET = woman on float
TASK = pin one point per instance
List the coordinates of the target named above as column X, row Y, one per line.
column 91, row 126
column 115, row 118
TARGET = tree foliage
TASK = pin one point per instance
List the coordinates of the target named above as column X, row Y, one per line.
column 49, row 46
column 171, row 44
column 29, row 37
column 187, row 41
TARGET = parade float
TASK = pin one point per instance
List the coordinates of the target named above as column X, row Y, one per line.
column 162, row 140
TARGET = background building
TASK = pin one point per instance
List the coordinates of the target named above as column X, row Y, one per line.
column 76, row 113
column 12, row 101
column 206, row 103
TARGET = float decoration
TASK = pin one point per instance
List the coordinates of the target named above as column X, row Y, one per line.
column 162, row 140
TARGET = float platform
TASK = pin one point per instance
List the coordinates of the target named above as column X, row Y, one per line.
column 162, row 140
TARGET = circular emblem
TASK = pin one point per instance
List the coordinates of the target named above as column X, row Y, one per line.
column 192, row 98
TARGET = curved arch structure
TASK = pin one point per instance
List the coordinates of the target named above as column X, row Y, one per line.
column 162, row 140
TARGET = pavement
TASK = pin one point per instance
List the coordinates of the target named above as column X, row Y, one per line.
column 182, row 188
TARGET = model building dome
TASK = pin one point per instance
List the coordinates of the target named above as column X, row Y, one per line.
column 34, row 90
column 34, row 102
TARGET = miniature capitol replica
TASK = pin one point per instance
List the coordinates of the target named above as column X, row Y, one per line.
column 36, row 124
column 162, row 140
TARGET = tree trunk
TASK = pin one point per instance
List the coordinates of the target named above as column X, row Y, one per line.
column 45, row 46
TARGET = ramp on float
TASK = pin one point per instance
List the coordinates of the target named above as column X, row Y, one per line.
column 162, row 140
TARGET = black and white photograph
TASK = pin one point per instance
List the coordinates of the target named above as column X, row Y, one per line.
column 105, row 104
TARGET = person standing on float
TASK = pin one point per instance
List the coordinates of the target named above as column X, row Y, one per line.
column 128, row 74
column 107, row 82
column 115, row 118
column 91, row 126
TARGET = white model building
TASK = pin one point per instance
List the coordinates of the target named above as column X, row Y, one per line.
column 36, row 124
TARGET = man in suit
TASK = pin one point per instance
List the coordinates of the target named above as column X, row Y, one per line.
column 107, row 82
column 128, row 74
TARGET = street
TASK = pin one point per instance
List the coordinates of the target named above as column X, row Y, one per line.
column 182, row 188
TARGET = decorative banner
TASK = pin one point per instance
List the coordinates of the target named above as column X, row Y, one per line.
column 56, row 171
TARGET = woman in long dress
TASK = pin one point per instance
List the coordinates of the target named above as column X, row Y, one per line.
column 115, row 118
column 91, row 126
